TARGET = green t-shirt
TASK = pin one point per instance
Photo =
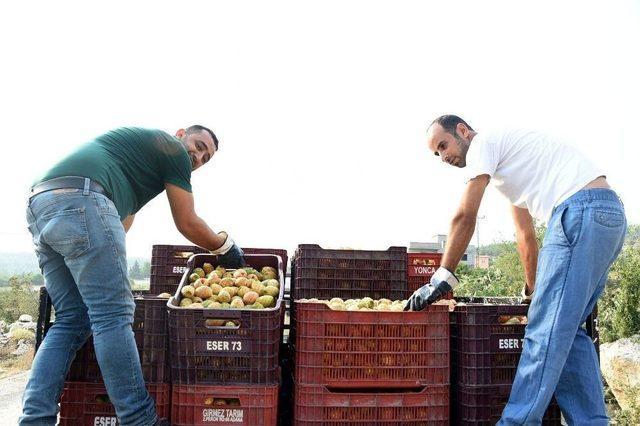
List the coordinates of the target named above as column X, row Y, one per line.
column 132, row 164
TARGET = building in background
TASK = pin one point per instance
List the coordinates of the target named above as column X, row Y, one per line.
column 469, row 256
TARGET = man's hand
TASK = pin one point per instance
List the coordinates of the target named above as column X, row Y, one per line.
column 441, row 283
column 229, row 254
column 526, row 295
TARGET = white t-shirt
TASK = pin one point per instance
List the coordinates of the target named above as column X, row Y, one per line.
column 533, row 170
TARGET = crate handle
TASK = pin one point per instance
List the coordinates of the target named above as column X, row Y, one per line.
column 220, row 323
column 182, row 254
column 215, row 400
column 375, row 390
column 508, row 319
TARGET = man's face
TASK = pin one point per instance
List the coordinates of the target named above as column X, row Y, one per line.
column 199, row 145
column 452, row 149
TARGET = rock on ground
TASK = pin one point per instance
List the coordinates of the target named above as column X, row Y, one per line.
column 620, row 364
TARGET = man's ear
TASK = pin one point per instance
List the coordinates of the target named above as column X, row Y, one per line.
column 180, row 133
column 462, row 130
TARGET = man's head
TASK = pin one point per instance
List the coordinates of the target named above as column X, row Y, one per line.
column 201, row 144
column 449, row 137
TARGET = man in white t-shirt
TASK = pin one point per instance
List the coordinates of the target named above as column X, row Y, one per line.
column 586, row 224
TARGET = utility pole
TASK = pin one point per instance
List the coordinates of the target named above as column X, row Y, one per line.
column 478, row 219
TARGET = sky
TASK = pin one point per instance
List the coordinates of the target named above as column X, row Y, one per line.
column 321, row 108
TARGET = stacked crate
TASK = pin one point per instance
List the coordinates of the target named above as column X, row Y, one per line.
column 420, row 269
column 84, row 399
column 486, row 343
column 226, row 375
column 365, row 367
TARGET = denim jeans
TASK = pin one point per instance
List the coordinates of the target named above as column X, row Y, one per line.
column 80, row 245
column 584, row 236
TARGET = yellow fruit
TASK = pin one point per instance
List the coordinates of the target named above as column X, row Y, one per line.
column 224, row 296
column 239, row 273
column 203, row 292
column 185, row 302
column 215, row 288
column 237, row 303
column 164, row 295
column 231, row 290
column 243, row 290
column 227, row 282
column 272, row 291
column 195, row 306
column 250, row 297
column 243, row 282
column 266, row 301
column 188, row 291
column 200, row 282
column 208, row 268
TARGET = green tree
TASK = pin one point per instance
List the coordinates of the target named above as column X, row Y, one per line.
column 20, row 299
column 135, row 272
column 145, row 270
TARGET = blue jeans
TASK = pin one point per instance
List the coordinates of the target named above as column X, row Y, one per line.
column 584, row 236
column 80, row 245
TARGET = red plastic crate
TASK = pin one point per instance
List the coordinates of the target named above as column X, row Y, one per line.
column 483, row 405
column 221, row 355
column 244, row 405
column 325, row 273
column 318, row 405
column 360, row 349
column 152, row 340
column 169, row 262
column 87, row 404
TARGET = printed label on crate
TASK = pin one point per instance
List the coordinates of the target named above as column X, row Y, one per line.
column 419, row 270
column 224, row 346
column 105, row 421
column 179, row 270
column 226, row 415
column 507, row 343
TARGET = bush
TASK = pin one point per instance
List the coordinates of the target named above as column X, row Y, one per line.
column 22, row 334
column 19, row 299
column 619, row 307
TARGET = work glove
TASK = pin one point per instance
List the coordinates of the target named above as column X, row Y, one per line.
column 441, row 283
column 229, row 254
column 526, row 298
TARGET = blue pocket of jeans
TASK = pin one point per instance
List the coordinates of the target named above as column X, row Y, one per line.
column 66, row 232
column 571, row 223
column 608, row 218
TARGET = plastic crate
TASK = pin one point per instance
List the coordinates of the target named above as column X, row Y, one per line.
column 324, row 273
column 205, row 355
column 87, row 404
column 243, row 405
column 169, row 262
column 318, row 405
column 152, row 340
column 484, row 351
column 483, row 405
column 362, row 349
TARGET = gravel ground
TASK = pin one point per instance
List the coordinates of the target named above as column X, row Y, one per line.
column 11, row 389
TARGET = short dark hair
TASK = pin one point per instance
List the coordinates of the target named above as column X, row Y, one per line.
column 196, row 128
column 450, row 122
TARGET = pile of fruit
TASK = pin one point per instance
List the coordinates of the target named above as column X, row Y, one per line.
column 219, row 288
column 364, row 304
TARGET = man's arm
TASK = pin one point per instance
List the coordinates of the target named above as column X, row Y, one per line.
column 188, row 222
column 527, row 245
column 464, row 222
column 127, row 222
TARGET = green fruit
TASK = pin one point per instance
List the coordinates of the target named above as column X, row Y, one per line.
column 272, row 283
column 243, row 290
column 200, row 272
column 227, row 282
column 227, row 275
column 195, row 306
column 196, row 299
column 215, row 288
column 268, row 275
column 242, row 281
column 193, row 277
column 231, row 290
column 188, row 291
column 185, row 302
column 215, row 305
column 266, row 301
column 257, row 305
column 239, row 273
column 220, row 271
column 200, row 282
column 208, row 268
column 224, row 296
column 237, row 304
column 230, row 324
column 224, row 305
column 257, row 287
column 272, row 291
column 206, row 303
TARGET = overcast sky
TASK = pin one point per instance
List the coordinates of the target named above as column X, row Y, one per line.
column 321, row 108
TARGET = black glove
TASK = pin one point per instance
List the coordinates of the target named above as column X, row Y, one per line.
column 229, row 254
column 441, row 283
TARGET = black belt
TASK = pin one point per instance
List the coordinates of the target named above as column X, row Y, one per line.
column 65, row 182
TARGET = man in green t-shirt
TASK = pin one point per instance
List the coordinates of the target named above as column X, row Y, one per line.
column 78, row 214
